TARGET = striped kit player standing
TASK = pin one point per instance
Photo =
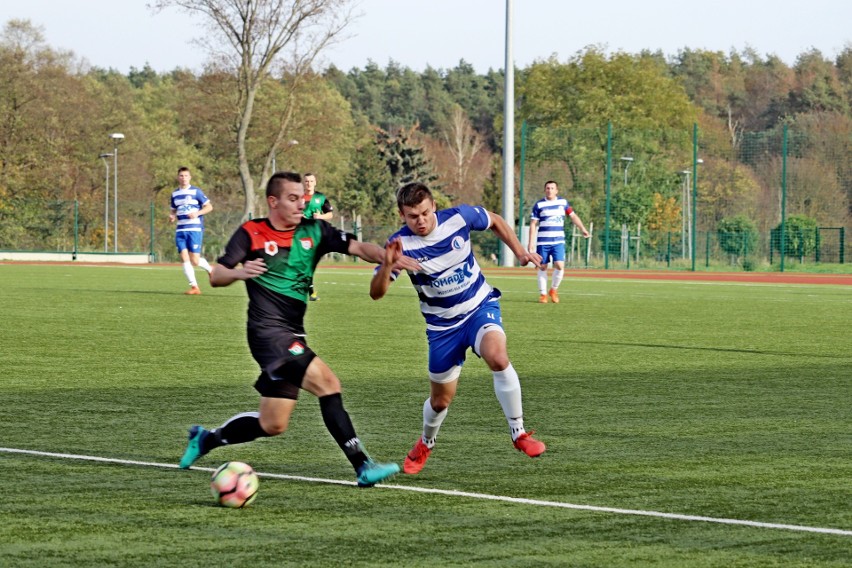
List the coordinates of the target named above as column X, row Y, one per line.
column 548, row 221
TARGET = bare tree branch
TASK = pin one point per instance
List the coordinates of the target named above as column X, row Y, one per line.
column 463, row 143
column 260, row 34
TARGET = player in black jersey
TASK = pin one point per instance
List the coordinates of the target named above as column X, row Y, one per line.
column 276, row 257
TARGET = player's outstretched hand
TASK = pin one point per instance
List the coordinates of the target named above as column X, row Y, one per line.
column 397, row 260
column 528, row 257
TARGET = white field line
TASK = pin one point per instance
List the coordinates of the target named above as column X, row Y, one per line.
column 465, row 494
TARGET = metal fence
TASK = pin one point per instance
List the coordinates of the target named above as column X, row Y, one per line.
column 144, row 229
column 695, row 200
column 692, row 200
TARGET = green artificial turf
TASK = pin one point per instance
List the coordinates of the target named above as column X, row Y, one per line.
column 720, row 400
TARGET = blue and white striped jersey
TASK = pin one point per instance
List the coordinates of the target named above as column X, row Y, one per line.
column 450, row 282
column 185, row 201
column 551, row 220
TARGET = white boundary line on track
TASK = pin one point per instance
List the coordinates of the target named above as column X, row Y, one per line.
column 453, row 493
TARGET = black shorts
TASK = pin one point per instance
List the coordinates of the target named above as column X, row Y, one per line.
column 283, row 357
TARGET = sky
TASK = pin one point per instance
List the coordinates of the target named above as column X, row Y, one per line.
column 121, row 34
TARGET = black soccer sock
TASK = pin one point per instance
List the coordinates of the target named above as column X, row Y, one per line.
column 237, row 430
column 341, row 429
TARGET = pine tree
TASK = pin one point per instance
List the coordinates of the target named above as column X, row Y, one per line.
column 405, row 161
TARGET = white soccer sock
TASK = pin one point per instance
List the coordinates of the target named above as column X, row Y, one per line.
column 202, row 262
column 557, row 278
column 542, row 282
column 431, row 423
column 190, row 273
column 507, row 387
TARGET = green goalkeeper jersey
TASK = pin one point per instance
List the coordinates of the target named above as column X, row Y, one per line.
column 318, row 203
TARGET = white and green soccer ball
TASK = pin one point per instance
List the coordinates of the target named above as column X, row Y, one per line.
column 234, row 484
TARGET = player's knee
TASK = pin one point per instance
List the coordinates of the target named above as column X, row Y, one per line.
column 498, row 362
column 440, row 403
column 273, row 427
column 329, row 385
column 320, row 380
column 491, row 346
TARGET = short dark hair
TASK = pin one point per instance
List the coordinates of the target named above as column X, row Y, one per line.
column 183, row 169
column 412, row 194
column 276, row 182
column 548, row 182
column 306, row 174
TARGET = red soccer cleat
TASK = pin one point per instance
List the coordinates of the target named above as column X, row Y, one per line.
column 554, row 296
column 416, row 458
column 542, row 299
column 529, row 445
column 194, row 291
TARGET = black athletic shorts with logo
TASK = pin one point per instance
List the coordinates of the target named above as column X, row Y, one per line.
column 283, row 357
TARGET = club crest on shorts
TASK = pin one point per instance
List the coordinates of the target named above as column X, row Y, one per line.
column 307, row 243
column 296, row 348
column 271, row 248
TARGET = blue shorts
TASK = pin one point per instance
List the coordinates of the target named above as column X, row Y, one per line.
column 189, row 240
column 447, row 348
column 551, row 252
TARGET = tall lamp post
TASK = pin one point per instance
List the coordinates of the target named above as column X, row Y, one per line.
column 686, row 224
column 117, row 137
column 106, row 201
column 506, row 256
column 627, row 161
column 688, row 202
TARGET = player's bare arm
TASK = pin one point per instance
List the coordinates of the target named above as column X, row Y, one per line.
column 367, row 251
column 531, row 241
column 579, row 224
column 224, row 276
column 382, row 280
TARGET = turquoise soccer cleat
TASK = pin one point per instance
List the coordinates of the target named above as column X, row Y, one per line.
column 193, row 447
column 371, row 473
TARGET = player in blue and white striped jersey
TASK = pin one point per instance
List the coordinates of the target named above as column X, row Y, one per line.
column 188, row 207
column 548, row 217
column 461, row 309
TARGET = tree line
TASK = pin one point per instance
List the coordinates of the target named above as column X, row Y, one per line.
column 366, row 130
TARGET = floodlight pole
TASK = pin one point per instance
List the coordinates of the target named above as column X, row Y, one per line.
column 508, row 139
column 117, row 137
column 686, row 225
column 106, row 201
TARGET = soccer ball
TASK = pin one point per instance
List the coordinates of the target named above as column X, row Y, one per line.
column 234, row 485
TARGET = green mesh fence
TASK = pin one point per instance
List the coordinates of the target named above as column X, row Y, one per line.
column 772, row 200
column 695, row 200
